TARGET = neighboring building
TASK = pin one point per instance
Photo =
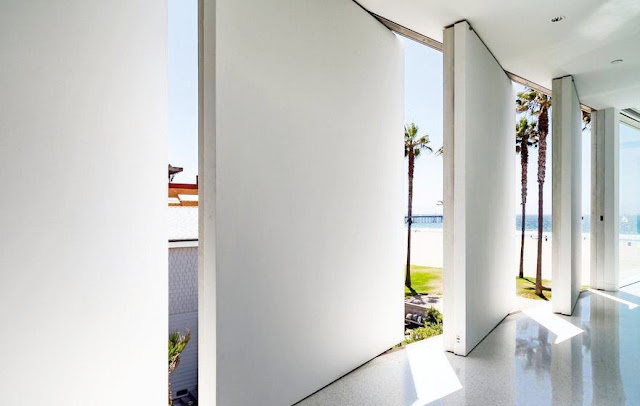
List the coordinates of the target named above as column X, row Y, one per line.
column 183, row 194
column 183, row 282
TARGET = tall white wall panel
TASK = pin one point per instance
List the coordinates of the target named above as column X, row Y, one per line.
column 479, row 263
column 207, row 320
column 83, row 257
column 605, row 196
column 308, row 176
column 566, row 195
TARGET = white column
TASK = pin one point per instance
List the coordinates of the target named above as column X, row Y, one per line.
column 451, row 252
column 207, row 339
column 479, row 257
column 566, row 195
column 605, row 149
column 83, row 237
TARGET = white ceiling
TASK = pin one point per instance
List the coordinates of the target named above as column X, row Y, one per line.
column 525, row 42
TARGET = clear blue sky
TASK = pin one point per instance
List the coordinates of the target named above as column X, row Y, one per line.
column 423, row 106
column 183, row 88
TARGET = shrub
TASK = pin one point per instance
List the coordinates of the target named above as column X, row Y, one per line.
column 433, row 316
column 421, row 333
column 432, row 327
column 177, row 344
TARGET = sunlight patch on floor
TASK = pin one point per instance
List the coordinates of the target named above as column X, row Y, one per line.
column 557, row 325
column 433, row 375
column 617, row 299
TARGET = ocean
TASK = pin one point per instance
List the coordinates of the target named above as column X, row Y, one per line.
column 629, row 224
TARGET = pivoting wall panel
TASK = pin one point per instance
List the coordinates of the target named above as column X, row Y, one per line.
column 605, row 196
column 83, row 237
column 566, row 195
column 479, row 190
column 309, row 215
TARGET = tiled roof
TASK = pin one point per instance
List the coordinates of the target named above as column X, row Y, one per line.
column 183, row 223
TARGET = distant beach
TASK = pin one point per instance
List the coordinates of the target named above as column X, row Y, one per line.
column 629, row 225
column 427, row 247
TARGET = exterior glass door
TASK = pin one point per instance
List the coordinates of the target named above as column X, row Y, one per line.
column 629, row 204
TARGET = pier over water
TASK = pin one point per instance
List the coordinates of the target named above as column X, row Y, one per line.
column 424, row 218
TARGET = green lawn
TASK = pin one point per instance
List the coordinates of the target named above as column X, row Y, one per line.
column 526, row 287
column 425, row 280
column 428, row 280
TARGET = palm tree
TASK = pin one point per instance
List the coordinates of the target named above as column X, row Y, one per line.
column 412, row 148
column 526, row 136
column 177, row 344
column 586, row 121
column 536, row 105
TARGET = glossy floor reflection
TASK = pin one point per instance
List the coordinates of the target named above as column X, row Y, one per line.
column 590, row 358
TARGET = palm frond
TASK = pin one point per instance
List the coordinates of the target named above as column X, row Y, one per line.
column 412, row 144
column 586, row 121
column 532, row 102
column 177, row 344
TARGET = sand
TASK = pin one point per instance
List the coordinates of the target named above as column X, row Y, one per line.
column 427, row 250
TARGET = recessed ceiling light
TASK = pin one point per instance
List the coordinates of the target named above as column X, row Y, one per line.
column 557, row 19
column 616, row 61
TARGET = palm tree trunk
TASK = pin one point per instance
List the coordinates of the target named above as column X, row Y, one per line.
column 543, row 126
column 407, row 278
column 539, row 259
column 521, row 273
column 524, row 162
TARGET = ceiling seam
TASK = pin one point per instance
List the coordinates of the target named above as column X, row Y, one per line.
column 438, row 46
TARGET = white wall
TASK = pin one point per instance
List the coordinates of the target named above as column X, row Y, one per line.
column 605, row 152
column 566, row 251
column 308, row 193
column 207, row 337
column 479, row 180
column 83, row 257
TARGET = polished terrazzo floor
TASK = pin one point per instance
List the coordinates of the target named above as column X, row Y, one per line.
column 531, row 358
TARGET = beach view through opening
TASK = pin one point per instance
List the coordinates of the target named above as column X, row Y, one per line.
column 423, row 191
column 525, row 287
column 423, row 118
column 629, row 206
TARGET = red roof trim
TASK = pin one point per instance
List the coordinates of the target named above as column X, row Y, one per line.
column 182, row 186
